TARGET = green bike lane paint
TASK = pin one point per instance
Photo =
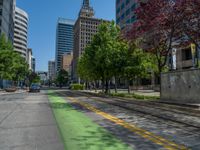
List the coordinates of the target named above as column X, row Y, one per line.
column 78, row 131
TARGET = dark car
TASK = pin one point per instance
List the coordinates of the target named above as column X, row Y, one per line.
column 35, row 88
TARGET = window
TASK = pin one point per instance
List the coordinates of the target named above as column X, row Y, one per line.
column 133, row 7
column 122, row 17
column 127, row 12
column 118, row 20
column 186, row 54
column 133, row 19
column 1, row 2
column 128, row 21
column 122, row 6
column 118, row 10
column 127, row 2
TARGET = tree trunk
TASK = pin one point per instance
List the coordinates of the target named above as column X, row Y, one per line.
column 129, row 87
column 107, row 86
column 103, row 85
column 95, row 86
column 116, row 84
column 197, row 53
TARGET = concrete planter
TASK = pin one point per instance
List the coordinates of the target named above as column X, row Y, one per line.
column 10, row 90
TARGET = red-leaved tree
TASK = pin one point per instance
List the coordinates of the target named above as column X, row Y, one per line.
column 191, row 22
column 158, row 28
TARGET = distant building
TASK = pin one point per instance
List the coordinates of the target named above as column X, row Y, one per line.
column 29, row 58
column 64, row 40
column 7, row 11
column 85, row 27
column 51, row 70
column 67, row 62
column 33, row 63
column 43, row 76
column 125, row 15
column 20, row 33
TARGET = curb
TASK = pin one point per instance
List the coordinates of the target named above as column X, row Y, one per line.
column 6, row 93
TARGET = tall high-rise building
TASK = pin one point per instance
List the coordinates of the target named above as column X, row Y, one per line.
column 125, row 15
column 85, row 27
column 67, row 62
column 7, row 10
column 51, row 70
column 20, row 33
column 64, row 40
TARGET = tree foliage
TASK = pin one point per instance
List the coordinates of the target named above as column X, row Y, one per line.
column 191, row 22
column 164, row 24
column 33, row 78
column 159, row 27
column 12, row 65
column 102, row 56
column 62, row 78
column 108, row 56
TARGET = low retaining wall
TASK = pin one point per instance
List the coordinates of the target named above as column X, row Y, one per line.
column 146, row 87
column 181, row 86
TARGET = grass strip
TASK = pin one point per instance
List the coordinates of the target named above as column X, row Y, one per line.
column 78, row 131
column 135, row 96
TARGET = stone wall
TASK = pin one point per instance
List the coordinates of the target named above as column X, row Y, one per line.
column 181, row 86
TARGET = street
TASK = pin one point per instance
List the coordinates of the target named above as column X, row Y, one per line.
column 85, row 122
column 27, row 123
column 139, row 130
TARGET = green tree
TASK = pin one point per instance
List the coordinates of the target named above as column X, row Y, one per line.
column 108, row 56
column 62, row 78
column 101, row 59
column 119, row 60
column 139, row 64
column 12, row 65
column 20, row 68
column 33, row 78
column 5, row 44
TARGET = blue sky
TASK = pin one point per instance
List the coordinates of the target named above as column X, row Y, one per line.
column 43, row 15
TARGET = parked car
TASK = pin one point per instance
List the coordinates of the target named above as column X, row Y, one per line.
column 34, row 88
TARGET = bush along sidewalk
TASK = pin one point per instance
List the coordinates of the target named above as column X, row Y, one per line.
column 77, row 87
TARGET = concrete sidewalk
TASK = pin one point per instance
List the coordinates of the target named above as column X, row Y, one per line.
column 27, row 123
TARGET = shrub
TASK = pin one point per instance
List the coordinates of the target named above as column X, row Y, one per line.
column 77, row 87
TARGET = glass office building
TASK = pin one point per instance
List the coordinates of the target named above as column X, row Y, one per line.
column 7, row 10
column 125, row 15
column 64, row 40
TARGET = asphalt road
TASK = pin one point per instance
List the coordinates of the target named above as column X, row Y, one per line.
column 125, row 125
column 27, row 123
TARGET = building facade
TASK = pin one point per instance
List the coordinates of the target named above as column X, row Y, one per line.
column 7, row 11
column 186, row 57
column 30, row 59
column 125, row 15
column 20, row 33
column 64, row 40
column 51, row 70
column 85, row 27
column 43, row 76
column 33, row 63
column 67, row 62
